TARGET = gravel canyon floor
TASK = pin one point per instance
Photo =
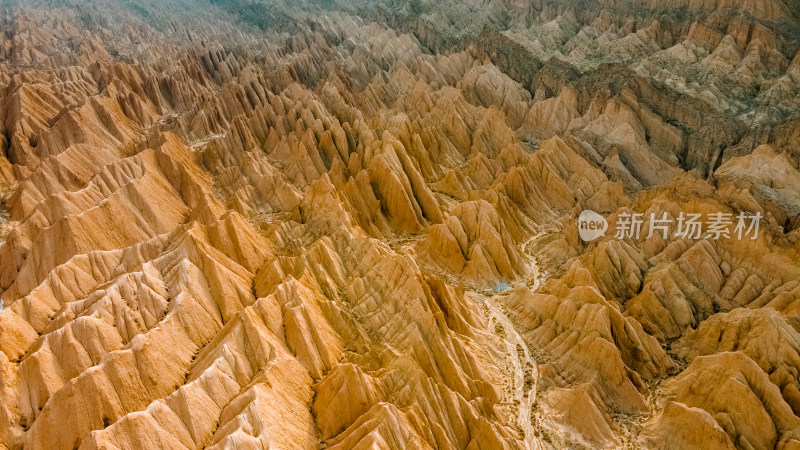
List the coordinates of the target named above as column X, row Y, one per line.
column 399, row 224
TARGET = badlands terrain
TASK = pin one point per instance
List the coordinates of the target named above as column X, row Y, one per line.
column 353, row 224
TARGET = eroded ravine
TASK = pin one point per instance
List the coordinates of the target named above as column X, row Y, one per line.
column 523, row 369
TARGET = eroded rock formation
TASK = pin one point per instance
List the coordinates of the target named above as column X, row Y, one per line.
column 257, row 224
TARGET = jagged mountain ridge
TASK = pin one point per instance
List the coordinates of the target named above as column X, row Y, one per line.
column 352, row 225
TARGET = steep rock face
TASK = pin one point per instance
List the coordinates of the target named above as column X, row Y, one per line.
column 355, row 225
column 474, row 241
